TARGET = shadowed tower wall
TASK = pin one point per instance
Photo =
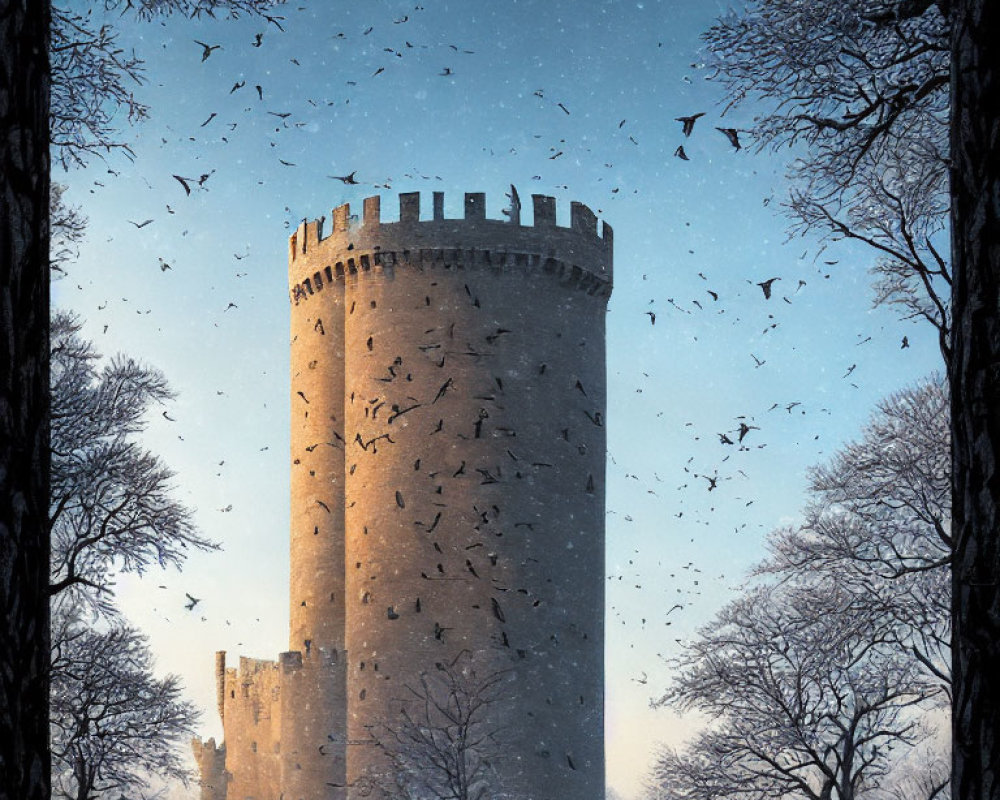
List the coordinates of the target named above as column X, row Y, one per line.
column 448, row 449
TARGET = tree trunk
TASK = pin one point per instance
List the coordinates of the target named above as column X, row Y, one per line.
column 974, row 374
column 24, row 404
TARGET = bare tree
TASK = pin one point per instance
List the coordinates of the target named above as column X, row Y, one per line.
column 112, row 505
column 895, row 102
column 94, row 79
column 114, row 724
column 862, row 87
column 446, row 738
column 809, row 697
column 68, row 224
column 26, row 110
column 879, row 522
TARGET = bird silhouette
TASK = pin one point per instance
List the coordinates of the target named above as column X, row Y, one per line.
column 679, row 152
column 444, row 388
column 688, row 122
column 192, row 601
column 348, row 179
column 766, row 287
column 732, row 135
column 184, row 182
column 207, row 49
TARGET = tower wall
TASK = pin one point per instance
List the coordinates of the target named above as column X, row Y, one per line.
column 459, row 365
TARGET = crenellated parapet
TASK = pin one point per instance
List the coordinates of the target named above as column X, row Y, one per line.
column 211, row 761
column 577, row 256
column 251, row 698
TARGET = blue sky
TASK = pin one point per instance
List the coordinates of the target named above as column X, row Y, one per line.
column 623, row 71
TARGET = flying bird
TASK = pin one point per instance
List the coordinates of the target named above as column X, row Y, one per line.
column 142, row 224
column 514, row 212
column 207, row 49
column 688, row 122
column 679, row 152
column 444, row 388
column 193, row 601
column 348, row 179
column 184, row 183
column 652, row 317
column 732, row 134
column 766, row 287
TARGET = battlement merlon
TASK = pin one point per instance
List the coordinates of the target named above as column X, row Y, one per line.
column 579, row 244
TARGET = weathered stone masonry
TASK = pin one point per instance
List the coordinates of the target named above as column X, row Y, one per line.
column 447, row 491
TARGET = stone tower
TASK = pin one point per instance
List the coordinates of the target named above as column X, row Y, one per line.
column 447, row 525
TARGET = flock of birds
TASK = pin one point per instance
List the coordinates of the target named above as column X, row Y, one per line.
column 732, row 134
column 698, row 483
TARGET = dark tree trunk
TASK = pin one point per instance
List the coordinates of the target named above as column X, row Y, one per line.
column 24, row 403
column 974, row 373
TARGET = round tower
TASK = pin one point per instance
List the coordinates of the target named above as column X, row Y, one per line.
column 448, row 448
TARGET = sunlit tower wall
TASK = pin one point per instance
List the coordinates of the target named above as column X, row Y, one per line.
column 448, row 483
